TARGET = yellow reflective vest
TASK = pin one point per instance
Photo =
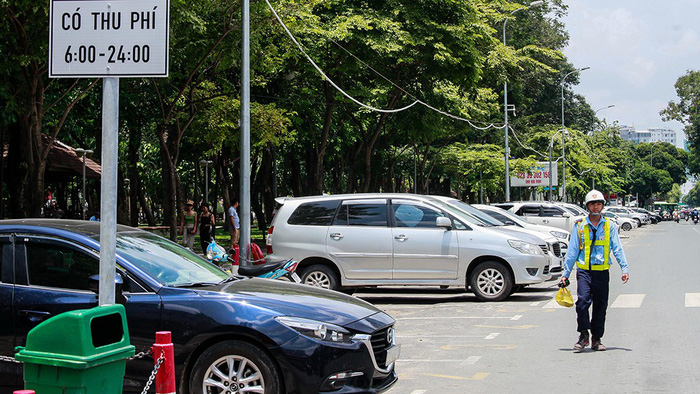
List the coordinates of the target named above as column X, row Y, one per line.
column 584, row 232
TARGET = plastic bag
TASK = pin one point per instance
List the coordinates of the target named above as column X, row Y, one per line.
column 564, row 298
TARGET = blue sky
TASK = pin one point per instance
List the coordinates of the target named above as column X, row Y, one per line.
column 636, row 50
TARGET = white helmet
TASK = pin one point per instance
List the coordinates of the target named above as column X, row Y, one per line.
column 593, row 196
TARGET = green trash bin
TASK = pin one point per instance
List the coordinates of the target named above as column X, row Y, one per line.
column 78, row 352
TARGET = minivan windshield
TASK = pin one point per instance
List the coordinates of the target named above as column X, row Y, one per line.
column 167, row 261
column 461, row 213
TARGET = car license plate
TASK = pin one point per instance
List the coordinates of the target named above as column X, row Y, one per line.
column 392, row 354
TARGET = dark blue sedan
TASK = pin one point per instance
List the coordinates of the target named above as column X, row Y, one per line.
column 231, row 334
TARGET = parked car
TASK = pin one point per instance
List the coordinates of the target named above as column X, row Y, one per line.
column 511, row 219
column 539, row 212
column 626, row 224
column 553, row 247
column 653, row 216
column 375, row 239
column 641, row 218
column 277, row 336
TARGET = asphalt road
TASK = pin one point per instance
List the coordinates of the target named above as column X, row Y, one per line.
column 451, row 343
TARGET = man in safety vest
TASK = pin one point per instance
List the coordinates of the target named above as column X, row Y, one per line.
column 592, row 240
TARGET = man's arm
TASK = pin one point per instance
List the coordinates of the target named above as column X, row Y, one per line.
column 616, row 249
column 572, row 251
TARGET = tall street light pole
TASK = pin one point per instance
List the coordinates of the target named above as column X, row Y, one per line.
column 600, row 109
column 505, row 100
column 206, row 164
column 563, row 152
column 83, row 153
column 551, row 143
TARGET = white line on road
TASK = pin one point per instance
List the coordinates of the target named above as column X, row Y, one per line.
column 516, row 317
column 534, row 304
column 440, row 336
column 419, row 391
column 692, row 300
column 552, row 305
column 471, row 360
column 628, row 301
column 492, row 335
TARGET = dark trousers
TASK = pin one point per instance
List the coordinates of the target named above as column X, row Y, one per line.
column 592, row 288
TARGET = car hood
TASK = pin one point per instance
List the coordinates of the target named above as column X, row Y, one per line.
column 291, row 299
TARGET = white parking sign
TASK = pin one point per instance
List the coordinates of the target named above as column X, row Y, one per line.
column 115, row 38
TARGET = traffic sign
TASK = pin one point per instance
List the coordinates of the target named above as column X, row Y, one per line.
column 115, row 38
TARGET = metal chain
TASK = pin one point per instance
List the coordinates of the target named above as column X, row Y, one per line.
column 9, row 359
column 140, row 355
column 153, row 374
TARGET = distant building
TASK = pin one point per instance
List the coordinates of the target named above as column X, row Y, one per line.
column 657, row 134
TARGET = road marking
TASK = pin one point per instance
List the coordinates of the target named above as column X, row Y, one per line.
column 441, row 336
column 696, row 230
column 628, row 301
column 419, row 391
column 477, row 376
column 516, row 317
column 497, row 347
column 534, row 304
column 692, row 300
column 471, row 360
column 553, row 304
column 492, row 335
column 523, row 327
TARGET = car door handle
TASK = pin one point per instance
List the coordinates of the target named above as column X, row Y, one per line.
column 35, row 316
column 545, row 221
column 336, row 236
column 401, row 237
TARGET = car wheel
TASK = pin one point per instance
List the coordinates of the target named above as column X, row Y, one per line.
column 320, row 275
column 626, row 226
column 639, row 222
column 516, row 289
column 491, row 281
column 234, row 367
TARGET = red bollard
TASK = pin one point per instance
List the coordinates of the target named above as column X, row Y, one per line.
column 165, row 378
column 237, row 255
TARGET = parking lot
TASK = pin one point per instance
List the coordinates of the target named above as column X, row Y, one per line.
column 451, row 343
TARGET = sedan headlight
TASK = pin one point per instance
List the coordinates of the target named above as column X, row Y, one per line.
column 316, row 329
column 559, row 234
column 525, row 247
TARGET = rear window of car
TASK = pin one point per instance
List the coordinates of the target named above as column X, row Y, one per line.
column 318, row 213
column 529, row 210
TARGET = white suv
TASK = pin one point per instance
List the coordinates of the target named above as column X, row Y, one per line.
column 539, row 212
column 358, row 240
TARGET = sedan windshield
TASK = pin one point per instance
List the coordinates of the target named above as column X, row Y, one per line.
column 168, row 262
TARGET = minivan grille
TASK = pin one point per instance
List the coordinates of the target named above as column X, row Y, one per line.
column 544, row 249
column 379, row 345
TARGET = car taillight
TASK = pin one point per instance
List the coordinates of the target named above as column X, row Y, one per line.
column 268, row 242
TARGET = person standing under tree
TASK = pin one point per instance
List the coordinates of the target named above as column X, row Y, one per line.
column 592, row 240
column 207, row 225
column 188, row 225
column 234, row 224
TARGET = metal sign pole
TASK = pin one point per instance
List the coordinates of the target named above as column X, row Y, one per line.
column 108, row 192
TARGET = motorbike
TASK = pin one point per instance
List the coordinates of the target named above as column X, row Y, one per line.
column 258, row 267
column 695, row 220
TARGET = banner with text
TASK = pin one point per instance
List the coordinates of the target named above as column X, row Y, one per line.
column 537, row 176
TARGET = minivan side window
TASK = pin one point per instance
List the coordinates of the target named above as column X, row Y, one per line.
column 318, row 213
column 368, row 213
column 410, row 214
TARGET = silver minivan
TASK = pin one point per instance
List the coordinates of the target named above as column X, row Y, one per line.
column 344, row 242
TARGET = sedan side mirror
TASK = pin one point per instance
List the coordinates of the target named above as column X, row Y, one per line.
column 566, row 214
column 444, row 222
